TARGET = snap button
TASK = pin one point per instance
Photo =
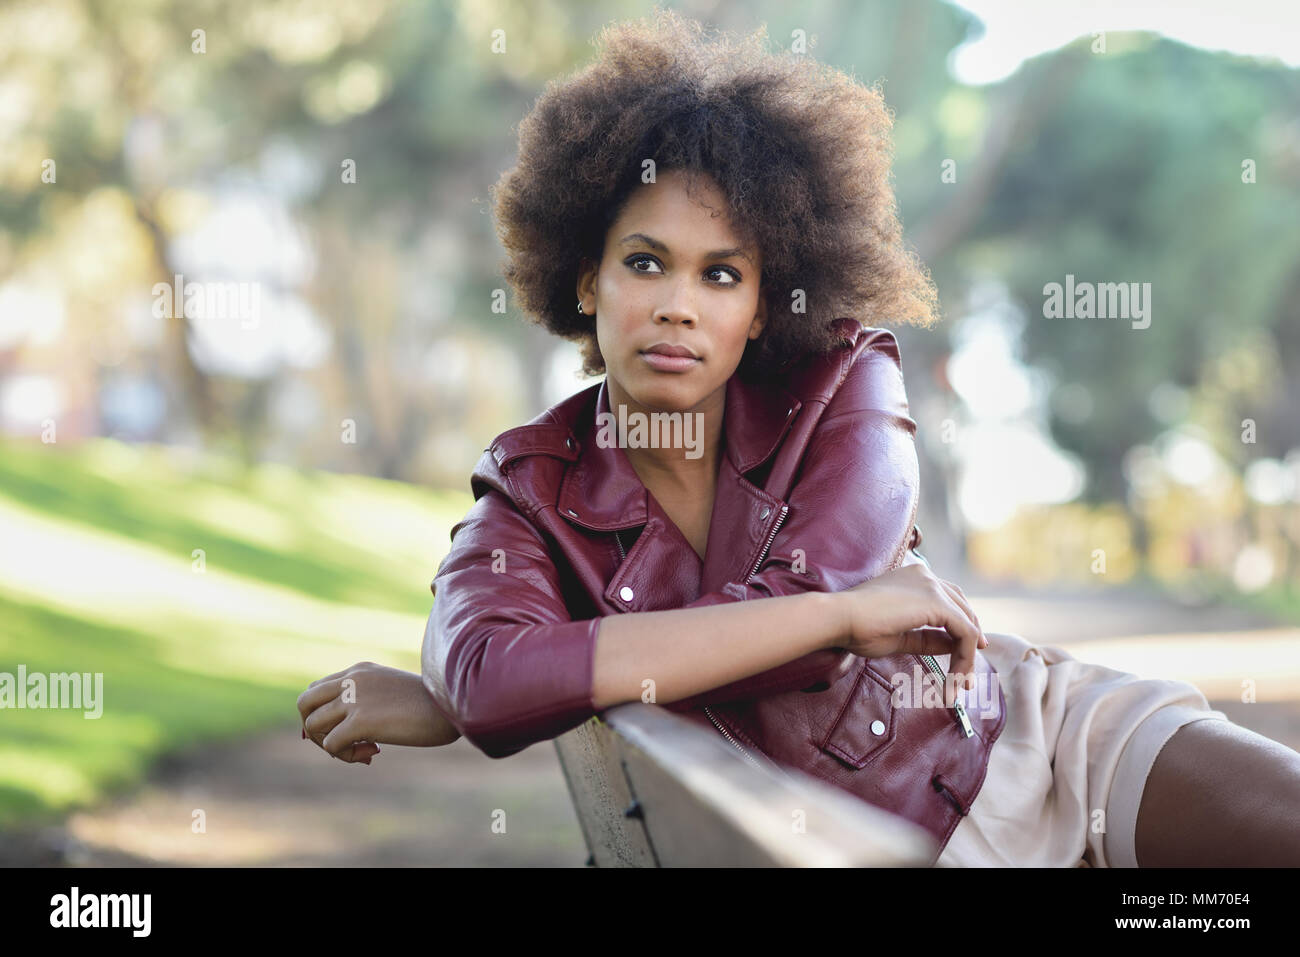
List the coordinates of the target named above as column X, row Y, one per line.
column 864, row 731
column 625, row 593
column 765, row 513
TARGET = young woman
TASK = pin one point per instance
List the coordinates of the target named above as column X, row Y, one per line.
column 704, row 217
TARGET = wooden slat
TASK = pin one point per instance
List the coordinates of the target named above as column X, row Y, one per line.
column 593, row 770
column 701, row 804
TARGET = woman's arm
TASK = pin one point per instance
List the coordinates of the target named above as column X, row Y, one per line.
column 508, row 667
column 908, row 609
column 743, row 639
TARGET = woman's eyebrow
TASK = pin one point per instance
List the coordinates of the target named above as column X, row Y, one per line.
column 633, row 239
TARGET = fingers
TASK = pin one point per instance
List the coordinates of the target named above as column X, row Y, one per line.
column 937, row 641
column 344, row 740
column 317, row 694
column 966, row 639
column 963, row 603
column 360, row 752
column 953, row 629
column 926, row 641
column 357, row 752
column 364, row 751
column 322, row 689
column 960, row 598
column 323, row 720
column 338, row 736
column 329, row 723
column 950, row 593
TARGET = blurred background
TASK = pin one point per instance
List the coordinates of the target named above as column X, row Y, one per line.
column 248, row 358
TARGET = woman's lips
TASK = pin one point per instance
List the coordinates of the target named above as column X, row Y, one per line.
column 663, row 363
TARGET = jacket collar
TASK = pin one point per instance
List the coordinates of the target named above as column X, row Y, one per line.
column 601, row 491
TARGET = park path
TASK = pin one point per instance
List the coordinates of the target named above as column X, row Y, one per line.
column 276, row 800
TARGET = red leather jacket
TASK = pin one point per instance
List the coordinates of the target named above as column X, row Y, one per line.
column 817, row 490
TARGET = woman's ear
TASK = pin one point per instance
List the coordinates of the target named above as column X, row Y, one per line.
column 760, row 317
column 587, row 273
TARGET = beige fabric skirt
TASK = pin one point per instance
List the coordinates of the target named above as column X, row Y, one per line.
column 1065, row 778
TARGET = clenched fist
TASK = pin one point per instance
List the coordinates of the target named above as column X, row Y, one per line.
column 351, row 712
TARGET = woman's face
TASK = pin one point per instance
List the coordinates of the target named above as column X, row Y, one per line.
column 674, row 273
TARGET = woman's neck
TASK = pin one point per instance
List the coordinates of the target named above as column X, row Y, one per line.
column 677, row 450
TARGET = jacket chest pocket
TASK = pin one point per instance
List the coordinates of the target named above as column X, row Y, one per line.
column 866, row 724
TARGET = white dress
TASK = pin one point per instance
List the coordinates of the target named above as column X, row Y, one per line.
column 1065, row 778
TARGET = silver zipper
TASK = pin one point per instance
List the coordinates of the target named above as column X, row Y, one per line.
column 748, row 757
column 935, row 667
column 739, row 747
column 761, row 555
column 768, row 544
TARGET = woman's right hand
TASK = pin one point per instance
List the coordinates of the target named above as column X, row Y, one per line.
column 351, row 712
column 910, row 610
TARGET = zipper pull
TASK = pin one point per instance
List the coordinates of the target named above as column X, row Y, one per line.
column 962, row 719
column 965, row 721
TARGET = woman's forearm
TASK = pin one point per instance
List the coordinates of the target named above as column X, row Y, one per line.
column 686, row 651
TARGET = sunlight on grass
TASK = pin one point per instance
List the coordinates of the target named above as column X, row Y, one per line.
column 379, row 547
column 53, row 781
column 116, row 581
column 303, row 574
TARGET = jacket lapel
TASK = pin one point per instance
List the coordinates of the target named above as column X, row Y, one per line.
column 602, row 492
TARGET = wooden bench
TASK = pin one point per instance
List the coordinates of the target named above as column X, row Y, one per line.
column 651, row 789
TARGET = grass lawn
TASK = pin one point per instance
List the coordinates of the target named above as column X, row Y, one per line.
column 208, row 596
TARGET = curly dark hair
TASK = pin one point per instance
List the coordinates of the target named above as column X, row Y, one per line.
column 801, row 150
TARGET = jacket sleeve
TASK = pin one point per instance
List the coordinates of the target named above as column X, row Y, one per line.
column 851, row 515
column 507, row 673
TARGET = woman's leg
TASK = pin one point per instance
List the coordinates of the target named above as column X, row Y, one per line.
column 1220, row 794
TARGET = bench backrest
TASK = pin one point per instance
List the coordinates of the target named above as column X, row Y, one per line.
column 651, row 789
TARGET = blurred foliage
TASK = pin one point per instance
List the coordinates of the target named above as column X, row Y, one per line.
column 1073, row 543
column 1136, row 176
column 1115, row 166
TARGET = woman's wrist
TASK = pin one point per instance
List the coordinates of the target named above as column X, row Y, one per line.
column 414, row 720
column 830, row 608
column 436, row 729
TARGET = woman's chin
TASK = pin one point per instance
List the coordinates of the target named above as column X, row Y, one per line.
column 664, row 396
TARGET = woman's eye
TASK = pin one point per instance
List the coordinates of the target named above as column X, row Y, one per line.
column 714, row 272
column 636, row 259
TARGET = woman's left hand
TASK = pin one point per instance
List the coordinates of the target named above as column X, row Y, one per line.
column 350, row 712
